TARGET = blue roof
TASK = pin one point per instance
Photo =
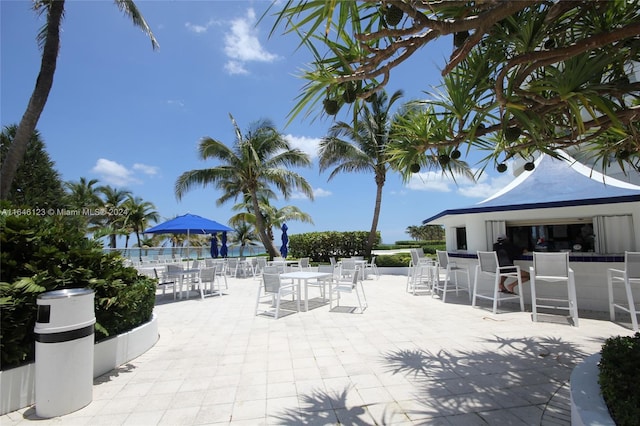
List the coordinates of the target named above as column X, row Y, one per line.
column 553, row 183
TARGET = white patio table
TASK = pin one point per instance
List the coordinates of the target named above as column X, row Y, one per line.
column 304, row 276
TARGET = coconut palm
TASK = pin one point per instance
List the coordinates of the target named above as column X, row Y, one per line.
column 243, row 235
column 139, row 214
column 364, row 149
column 259, row 160
column 49, row 40
column 274, row 217
column 113, row 200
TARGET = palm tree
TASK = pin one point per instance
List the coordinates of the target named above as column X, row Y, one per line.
column 139, row 214
column 113, row 200
column 49, row 40
column 259, row 159
column 273, row 216
column 82, row 200
column 365, row 149
column 243, row 235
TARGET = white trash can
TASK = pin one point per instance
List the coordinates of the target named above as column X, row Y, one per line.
column 64, row 335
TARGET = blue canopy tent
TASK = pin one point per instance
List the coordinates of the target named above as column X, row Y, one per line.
column 285, row 240
column 188, row 224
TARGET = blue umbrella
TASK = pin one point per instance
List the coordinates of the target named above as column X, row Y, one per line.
column 214, row 245
column 285, row 240
column 223, row 247
column 188, row 224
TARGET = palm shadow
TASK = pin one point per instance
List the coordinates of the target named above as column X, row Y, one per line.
column 322, row 408
column 516, row 372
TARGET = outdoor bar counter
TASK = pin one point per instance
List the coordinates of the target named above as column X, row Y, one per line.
column 590, row 273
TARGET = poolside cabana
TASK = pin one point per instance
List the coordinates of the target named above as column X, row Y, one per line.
column 560, row 205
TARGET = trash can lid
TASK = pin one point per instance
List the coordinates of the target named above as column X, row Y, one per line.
column 67, row 292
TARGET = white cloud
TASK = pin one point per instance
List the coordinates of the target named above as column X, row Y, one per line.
column 304, row 144
column 319, row 192
column 175, row 102
column 485, row 186
column 147, row 170
column 199, row 29
column 242, row 45
column 235, row 67
column 430, row 181
column 114, row 173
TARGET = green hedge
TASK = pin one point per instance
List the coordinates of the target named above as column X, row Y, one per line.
column 619, row 377
column 41, row 254
column 393, row 260
column 320, row 246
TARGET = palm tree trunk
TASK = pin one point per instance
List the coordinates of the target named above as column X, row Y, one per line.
column 29, row 120
column 374, row 223
column 139, row 246
column 260, row 227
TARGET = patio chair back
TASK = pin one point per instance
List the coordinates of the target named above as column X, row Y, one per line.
column 632, row 264
column 549, row 266
column 488, row 262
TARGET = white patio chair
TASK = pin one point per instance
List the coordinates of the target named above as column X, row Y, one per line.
column 350, row 284
column 630, row 275
column 261, row 262
column 303, row 264
column 488, row 265
column 160, row 273
column 416, row 261
column 445, row 286
column 553, row 267
column 371, row 266
column 423, row 277
column 272, row 286
column 322, row 283
column 175, row 273
column 207, row 277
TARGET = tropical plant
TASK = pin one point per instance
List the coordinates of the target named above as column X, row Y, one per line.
column 49, row 40
column 37, row 184
column 367, row 149
column 260, row 158
column 523, row 77
column 426, row 232
column 243, row 235
column 83, row 198
column 273, row 216
column 112, row 207
column 139, row 214
column 43, row 253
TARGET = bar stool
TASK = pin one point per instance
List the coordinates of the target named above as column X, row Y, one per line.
column 553, row 267
column 630, row 275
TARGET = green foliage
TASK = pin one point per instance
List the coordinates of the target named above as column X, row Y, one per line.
column 619, row 377
column 37, row 183
column 393, row 260
column 44, row 253
column 320, row 246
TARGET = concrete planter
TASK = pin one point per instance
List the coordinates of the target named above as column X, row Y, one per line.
column 587, row 405
column 17, row 386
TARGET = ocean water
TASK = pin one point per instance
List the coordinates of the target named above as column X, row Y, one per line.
column 182, row 252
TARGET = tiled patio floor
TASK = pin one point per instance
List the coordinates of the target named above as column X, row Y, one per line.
column 407, row 360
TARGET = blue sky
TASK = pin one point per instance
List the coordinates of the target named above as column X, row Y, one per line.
column 132, row 117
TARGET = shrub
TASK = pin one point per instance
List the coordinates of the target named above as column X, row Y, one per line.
column 47, row 253
column 619, row 377
column 320, row 246
column 393, row 260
